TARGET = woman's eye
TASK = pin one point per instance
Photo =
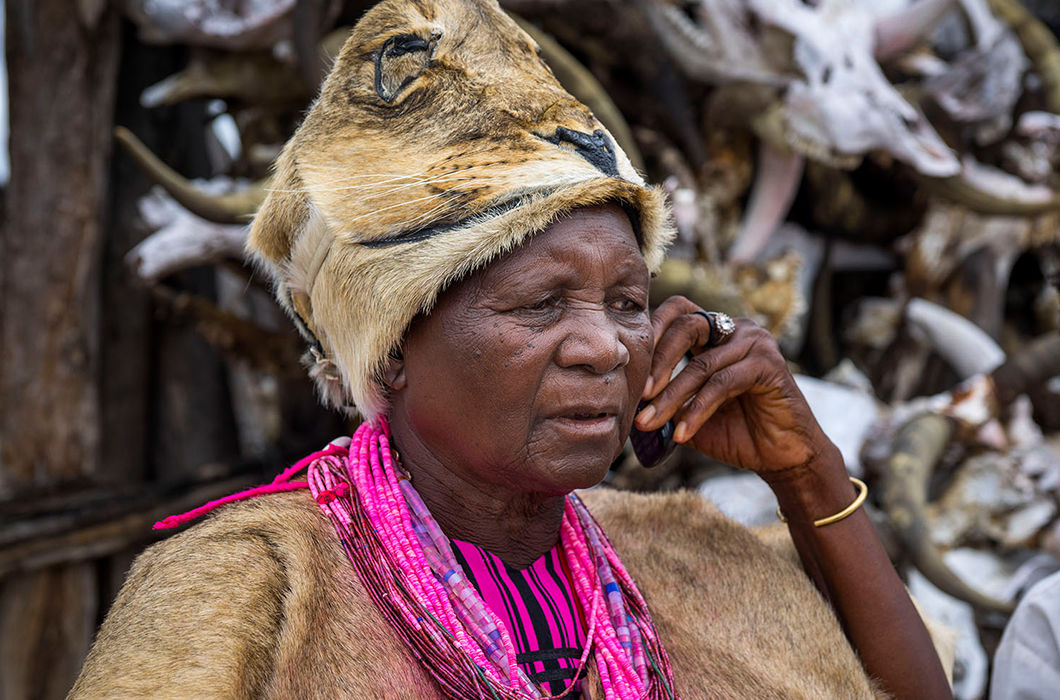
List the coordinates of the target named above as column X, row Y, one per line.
column 541, row 304
column 629, row 305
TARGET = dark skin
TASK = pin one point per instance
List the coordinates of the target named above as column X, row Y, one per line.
column 521, row 385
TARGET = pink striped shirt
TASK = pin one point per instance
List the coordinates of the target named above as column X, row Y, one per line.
column 538, row 607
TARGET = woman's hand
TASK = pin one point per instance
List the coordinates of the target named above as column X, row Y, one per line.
column 736, row 402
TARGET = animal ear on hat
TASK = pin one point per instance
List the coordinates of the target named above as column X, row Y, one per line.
column 289, row 238
column 283, row 216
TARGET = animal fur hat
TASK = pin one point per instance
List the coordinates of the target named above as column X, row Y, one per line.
column 439, row 141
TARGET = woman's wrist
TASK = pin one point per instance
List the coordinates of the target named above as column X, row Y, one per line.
column 817, row 489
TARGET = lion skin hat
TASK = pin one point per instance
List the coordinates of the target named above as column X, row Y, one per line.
column 440, row 140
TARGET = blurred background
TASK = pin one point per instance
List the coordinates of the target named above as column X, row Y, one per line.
column 875, row 181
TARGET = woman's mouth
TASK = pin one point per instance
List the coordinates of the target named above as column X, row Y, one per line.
column 587, row 424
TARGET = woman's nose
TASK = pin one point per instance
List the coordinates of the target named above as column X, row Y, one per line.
column 594, row 342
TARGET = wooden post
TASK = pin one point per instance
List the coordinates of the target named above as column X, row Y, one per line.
column 61, row 73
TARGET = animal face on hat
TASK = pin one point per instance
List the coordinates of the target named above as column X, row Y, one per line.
column 439, row 141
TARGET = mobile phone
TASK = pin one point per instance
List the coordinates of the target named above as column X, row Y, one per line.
column 653, row 446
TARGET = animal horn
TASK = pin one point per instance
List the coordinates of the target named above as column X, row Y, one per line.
column 1038, row 42
column 900, row 31
column 578, row 81
column 999, row 193
column 966, row 347
column 1030, row 367
column 778, row 172
column 235, row 208
column 917, row 448
column 987, row 190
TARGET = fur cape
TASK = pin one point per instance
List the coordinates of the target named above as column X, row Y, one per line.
column 261, row 601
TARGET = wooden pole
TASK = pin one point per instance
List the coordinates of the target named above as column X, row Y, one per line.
column 61, row 76
column 62, row 66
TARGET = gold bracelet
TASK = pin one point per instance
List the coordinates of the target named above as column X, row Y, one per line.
column 863, row 492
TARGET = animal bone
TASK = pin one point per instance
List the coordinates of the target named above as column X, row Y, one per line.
column 927, row 427
column 240, row 26
column 918, row 446
column 836, row 103
column 719, row 48
column 899, row 32
column 989, row 190
column 256, row 77
column 981, row 86
column 966, row 347
column 236, row 208
column 1039, row 126
column 182, row 240
column 977, row 402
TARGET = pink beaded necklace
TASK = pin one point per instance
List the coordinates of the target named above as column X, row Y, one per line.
column 407, row 566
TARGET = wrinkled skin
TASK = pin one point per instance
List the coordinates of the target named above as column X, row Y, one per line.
column 521, row 384
column 525, row 376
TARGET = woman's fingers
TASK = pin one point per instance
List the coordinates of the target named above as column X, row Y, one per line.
column 686, row 332
column 680, row 327
column 722, row 386
column 723, row 366
column 666, row 312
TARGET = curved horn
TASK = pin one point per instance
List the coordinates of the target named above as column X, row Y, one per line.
column 235, row 208
column 1038, row 43
column 966, row 347
column 778, row 172
column 917, row 448
column 988, row 190
column 576, row 79
column 1032, row 366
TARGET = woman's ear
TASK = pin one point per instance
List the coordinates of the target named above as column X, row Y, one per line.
column 394, row 371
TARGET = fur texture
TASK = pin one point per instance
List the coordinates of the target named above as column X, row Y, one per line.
column 261, row 601
column 439, row 126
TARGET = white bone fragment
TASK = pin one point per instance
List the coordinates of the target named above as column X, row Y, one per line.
column 898, row 32
column 965, row 346
column 181, row 239
column 248, row 24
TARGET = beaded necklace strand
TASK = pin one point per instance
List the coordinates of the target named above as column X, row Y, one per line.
column 407, row 566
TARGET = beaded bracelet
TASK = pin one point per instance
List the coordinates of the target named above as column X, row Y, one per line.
column 863, row 492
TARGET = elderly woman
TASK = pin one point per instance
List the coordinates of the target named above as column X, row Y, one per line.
column 469, row 254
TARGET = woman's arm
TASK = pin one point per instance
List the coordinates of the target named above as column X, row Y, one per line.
column 850, row 567
column 737, row 402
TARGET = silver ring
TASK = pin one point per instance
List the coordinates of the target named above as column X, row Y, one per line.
column 721, row 326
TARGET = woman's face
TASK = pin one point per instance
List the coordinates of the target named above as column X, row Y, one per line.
column 526, row 375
